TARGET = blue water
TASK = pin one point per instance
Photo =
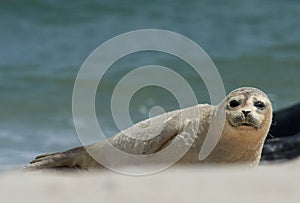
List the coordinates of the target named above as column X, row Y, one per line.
column 43, row 44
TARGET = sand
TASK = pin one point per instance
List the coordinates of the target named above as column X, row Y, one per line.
column 267, row 183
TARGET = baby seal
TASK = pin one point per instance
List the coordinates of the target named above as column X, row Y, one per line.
column 248, row 116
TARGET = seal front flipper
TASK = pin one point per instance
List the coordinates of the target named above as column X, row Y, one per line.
column 148, row 136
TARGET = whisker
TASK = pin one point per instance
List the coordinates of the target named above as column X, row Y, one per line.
column 269, row 134
column 274, row 122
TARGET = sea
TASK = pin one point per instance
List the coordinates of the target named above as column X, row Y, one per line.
column 44, row 43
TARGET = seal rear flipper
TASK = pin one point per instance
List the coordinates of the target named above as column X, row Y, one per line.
column 73, row 158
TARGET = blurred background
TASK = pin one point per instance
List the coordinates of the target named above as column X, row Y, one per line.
column 43, row 43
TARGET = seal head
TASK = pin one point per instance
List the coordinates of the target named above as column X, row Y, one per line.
column 248, row 119
column 248, row 108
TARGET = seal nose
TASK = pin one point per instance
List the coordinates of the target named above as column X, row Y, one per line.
column 246, row 113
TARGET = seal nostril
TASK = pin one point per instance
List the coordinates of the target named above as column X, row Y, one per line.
column 246, row 112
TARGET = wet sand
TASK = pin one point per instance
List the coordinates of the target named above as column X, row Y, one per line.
column 267, row 183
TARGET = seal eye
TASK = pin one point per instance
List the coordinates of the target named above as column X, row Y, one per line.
column 260, row 105
column 234, row 103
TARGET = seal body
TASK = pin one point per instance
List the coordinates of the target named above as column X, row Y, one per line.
column 286, row 122
column 248, row 116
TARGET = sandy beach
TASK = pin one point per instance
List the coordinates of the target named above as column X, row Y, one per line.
column 267, row 183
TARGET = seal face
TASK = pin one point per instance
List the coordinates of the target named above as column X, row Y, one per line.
column 247, row 108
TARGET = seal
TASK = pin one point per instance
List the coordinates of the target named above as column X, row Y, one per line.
column 248, row 116
column 283, row 142
column 286, row 122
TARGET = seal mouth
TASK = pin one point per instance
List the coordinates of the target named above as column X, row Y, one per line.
column 246, row 124
column 249, row 125
column 243, row 124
